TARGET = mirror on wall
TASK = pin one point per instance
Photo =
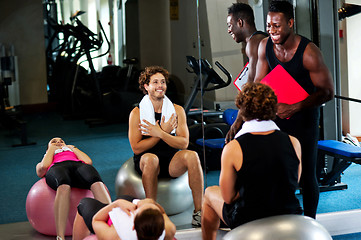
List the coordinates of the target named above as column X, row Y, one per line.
column 323, row 23
column 117, row 39
column 188, row 38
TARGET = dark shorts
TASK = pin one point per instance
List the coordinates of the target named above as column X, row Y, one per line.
column 74, row 174
column 235, row 214
column 232, row 215
column 164, row 161
column 88, row 207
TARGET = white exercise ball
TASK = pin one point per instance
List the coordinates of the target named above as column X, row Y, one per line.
column 174, row 194
column 283, row 227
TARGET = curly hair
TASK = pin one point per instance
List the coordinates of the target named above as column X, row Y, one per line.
column 144, row 77
column 149, row 224
column 257, row 101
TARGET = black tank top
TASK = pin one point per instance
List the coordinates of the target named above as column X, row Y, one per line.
column 258, row 32
column 308, row 119
column 267, row 180
column 295, row 66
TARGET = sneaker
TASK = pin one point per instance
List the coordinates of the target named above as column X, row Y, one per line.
column 196, row 219
column 349, row 139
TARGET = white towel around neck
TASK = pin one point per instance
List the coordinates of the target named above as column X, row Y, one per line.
column 63, row 149
column 257, row 126
column 147, row 110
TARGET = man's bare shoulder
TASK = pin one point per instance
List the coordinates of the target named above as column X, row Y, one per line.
column 135, row 109
column 253, row 45
column 311, row 49
column 135, row 112
column 259, row 44
column 256, row 39
column 178, row 108
column 264, row 40
column 312, row 56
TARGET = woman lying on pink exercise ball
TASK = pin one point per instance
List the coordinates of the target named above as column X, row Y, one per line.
column 65, row 166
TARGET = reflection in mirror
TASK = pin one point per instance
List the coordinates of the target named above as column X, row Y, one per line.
column 216, row 46
column 140, row 33
column 138, row 23
column 145, row 34
column 158, row 32
column 314, row 21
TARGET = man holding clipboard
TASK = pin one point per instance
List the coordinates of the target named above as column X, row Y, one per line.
column 303, row 61
column 242, row 28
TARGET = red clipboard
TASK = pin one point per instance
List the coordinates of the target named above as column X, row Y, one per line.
column 242, row 78
column 285, row 86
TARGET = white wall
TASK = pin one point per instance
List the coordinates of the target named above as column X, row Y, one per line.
column 154, row 41
column 21, row 25
column 345, row 113
column 224, row 49
column 184, row 42
column 354, row 71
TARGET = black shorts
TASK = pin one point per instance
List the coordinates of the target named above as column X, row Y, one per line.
column 232, row 215
column 235, row 214
column 88, row 207
column 74, row 174
column 164, row 161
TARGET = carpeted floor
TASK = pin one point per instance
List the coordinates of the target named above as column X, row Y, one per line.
column 109, row 148
column 107, row 145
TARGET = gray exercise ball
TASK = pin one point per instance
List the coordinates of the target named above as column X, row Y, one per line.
column 174, row 195
column 283, row 227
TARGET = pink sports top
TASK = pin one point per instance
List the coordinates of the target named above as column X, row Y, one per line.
column 109, row 221
column 64, row 156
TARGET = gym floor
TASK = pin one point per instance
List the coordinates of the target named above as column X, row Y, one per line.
column 24, row 230
column 339, row 224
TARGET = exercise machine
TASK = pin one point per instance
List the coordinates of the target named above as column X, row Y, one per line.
column 98, row 97
column 205, row 123
column 11, row 116
column 334, row 157
column 75, row 89
column 203, row 70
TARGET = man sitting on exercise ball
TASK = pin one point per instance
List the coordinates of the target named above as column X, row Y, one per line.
column 159, row 136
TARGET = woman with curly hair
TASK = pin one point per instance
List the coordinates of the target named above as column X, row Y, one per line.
column 159, row 137
column 260, row 168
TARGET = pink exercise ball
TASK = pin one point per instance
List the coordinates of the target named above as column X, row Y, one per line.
column 94, row 237
column 91, row 237
column 40, row 207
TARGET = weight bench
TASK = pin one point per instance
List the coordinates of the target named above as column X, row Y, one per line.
column 215, row 143
column 214, row 146
column 344, row 155
column 213, row 152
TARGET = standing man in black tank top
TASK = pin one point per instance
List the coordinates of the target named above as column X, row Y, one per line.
column 304, row 62
column 241, row 26
column 156, row 145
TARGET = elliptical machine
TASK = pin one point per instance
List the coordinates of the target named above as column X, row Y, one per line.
column 98, row 97
column 77, row 91
column 209, row 76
